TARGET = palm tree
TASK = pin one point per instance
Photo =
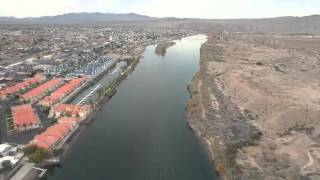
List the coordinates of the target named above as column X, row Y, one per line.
column 24, row 126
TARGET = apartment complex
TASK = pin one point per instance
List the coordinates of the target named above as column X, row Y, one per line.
column 39, row 92
column 54, row 134
column 70, row 110
column 62, row 92
column 24, row 117
column 21, row 85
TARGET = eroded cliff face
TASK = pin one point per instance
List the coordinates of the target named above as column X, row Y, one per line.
column 216, row 119
column 248, row 105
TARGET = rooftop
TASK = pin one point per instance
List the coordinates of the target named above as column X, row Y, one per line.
column 42, row 88
column 24, row 115
column 21, row 85
column 53, row 134
column 62, row 91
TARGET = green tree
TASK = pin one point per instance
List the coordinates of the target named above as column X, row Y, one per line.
column 29, row 149
column 39, row 155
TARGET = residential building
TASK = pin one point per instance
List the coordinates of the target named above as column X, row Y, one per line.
column 70, row 110
column 21, row 85
column 39, row 92
column 62, row 92
column 54, row 134
column 24, row 117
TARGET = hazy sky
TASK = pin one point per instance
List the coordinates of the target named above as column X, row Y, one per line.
column 164, row 8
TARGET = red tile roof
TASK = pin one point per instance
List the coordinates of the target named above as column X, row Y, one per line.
column 15, row 88
column 42, row 88
column 45, row 141
column 24, row 115
column 62, row 91
column 71, row 109
column 68, row 119
column 53, row 134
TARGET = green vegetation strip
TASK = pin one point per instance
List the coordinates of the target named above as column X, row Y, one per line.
column 108, row 91
column 9, row 120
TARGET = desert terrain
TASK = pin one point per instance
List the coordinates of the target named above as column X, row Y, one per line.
column 256, row 105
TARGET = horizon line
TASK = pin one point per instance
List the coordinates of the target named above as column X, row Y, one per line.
column 121, row 13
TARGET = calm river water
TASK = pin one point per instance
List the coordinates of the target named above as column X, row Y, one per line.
column 141, row 133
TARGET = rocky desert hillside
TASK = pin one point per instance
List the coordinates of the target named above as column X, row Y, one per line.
column 256, row 104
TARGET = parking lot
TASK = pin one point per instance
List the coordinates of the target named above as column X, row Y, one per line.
column 25, row 136
column 90, row 94
column 92, row 68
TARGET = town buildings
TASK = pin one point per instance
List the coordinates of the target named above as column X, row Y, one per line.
column 65, row 61
column 21, row 85
column 54, row 134
column 62, row 92
column 39, row 92
column 70, row 110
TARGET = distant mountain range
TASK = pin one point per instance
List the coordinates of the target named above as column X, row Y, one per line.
column 289, row 24
column 75, row 18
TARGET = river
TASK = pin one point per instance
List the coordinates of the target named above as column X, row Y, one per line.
column 142, row 133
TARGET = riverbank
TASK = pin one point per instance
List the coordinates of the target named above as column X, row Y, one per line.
column 248, row 107
column 216, row 120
